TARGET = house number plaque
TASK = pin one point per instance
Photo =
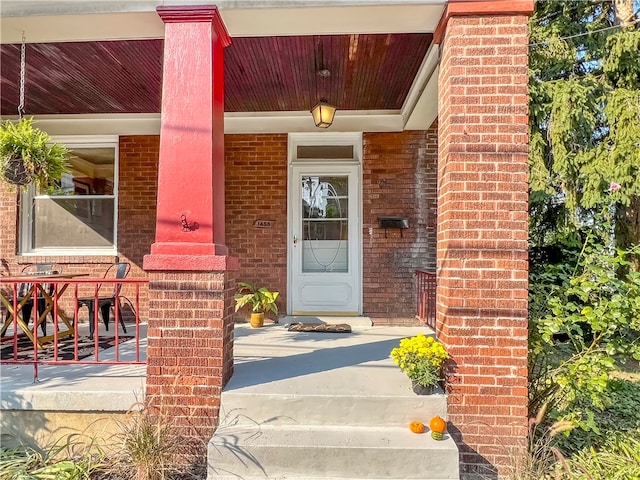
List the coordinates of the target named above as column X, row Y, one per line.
column 263, row 223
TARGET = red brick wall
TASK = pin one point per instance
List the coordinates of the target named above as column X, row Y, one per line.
column 482, row 234
column 399, row 179
column 256, row 189
column 137, row 196
column 8, row 229
column 399, row 172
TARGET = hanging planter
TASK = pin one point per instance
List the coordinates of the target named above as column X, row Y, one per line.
column 28, row 156
column 16, row 172
column 26, row 153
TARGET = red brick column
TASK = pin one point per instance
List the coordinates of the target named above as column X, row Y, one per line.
column 483, row 229
column 190, row 348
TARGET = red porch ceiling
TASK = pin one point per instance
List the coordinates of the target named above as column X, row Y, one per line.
column 368, row 72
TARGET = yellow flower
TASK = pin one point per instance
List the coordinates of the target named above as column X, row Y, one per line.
column 420, row 358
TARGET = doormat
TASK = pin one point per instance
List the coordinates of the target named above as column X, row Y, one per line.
column 320, row 327
column 65, row 347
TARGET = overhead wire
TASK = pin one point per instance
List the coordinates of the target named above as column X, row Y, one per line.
column 604, row 29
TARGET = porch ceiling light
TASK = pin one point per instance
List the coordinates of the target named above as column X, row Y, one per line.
column 323, row 114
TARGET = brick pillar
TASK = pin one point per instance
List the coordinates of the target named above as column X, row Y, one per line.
column 190, row 332
column 190, row 347
column 483, row 228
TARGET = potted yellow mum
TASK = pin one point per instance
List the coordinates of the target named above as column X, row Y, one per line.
column 421, row 358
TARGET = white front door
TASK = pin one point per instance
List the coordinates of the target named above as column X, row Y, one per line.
column 325, row 232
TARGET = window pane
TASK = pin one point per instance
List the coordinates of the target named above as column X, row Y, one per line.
column 324, row 197
column 325, row 186
column 337, row 208
column 325, row 230
column 81, row 211
column 73, row 222
column 325, row 151
column 92, row 172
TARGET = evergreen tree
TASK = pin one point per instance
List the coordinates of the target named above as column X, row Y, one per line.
column 584, row 115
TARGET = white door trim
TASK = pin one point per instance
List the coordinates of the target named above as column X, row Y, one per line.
column 324, row 138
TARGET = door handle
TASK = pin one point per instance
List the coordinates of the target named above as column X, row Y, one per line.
column 295, row 240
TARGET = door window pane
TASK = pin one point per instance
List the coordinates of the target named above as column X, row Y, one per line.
column 325, row 223
column 325, row 230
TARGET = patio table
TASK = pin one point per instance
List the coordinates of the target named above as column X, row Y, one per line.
column 33, row 280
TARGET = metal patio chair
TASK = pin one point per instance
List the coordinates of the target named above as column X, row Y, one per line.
column 106, row 302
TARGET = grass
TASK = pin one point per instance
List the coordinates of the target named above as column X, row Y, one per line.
column 26, row 463
column 618, row 460
column 149, row 448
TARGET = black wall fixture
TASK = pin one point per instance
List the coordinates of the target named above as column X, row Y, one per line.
column 393, row 222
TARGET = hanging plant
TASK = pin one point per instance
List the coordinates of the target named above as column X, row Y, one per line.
column 28, row 156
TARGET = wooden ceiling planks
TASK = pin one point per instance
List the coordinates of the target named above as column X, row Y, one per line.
column 367, row 72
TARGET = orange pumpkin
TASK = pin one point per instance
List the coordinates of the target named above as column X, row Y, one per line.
column 438, row 426
column 416, row 427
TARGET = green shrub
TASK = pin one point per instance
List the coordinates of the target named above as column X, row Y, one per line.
column 584, row 319
column 618, row 420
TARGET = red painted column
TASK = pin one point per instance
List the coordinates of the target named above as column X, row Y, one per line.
column 190, row 217
column 190, row 323
column 482, row 236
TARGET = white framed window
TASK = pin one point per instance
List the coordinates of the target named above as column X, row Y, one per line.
column 78, row 217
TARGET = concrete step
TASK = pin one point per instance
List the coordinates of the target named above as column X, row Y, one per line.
column 239, row 407
column 338, row 452
column 311, row 406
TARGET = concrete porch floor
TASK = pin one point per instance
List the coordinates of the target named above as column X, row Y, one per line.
column 273, row 360
column 267, row 360
column 81, row 387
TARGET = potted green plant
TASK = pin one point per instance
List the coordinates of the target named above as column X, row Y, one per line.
column 261, row 299
column 421, row 358
column 28, row 156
